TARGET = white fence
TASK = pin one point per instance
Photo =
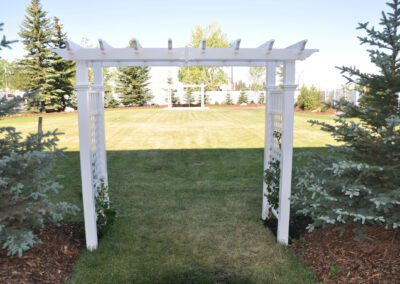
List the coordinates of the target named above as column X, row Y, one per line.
column 337, row 94
column 220, row 97
column 211, row 97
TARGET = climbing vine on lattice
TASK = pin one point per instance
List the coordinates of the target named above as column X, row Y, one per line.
column 272, row 176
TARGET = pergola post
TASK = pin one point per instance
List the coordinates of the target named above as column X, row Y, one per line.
column 202, row 96
column 89, row 211
column 268, row 138
column 169, row 97
column 289, row 88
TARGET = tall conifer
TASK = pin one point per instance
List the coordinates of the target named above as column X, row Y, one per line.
column 132, row 84
column 37, row 38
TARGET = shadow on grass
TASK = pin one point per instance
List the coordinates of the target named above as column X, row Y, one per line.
column 190, row 164
column 185, row 216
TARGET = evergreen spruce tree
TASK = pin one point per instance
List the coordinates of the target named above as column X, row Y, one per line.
column 57, row 89
column 261, row 99
column 242, row 98
column 228, row 99
column 377, row 133
column 170, row 82
column 188, row 97
column 132, row 84
column 26, row 164
column 361, row 182
column 37, row 38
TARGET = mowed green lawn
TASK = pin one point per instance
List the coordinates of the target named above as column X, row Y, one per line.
column 187, row 187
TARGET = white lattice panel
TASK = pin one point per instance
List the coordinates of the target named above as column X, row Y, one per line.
column 96, row 135
column 275, row 124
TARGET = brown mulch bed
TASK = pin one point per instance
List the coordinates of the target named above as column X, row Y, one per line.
column 343, row 259
column 48, row 262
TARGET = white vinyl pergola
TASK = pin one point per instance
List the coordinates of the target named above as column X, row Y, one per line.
column 279, row 109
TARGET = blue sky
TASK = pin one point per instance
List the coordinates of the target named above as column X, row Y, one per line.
column 328, row 25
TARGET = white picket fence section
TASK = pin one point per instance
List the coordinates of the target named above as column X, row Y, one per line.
column 330, row 96
column 212, row 97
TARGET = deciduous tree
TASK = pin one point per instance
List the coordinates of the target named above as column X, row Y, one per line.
column 212, row 77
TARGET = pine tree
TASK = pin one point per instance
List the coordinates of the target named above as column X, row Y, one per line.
column 170, row 82
column 228, row 99
column 242, row 98
column 261, row 98
column 188, row 97
column 36, row 36
column 26, row 164
column 6, row 105
column 57, row 89
column 361, row 181
column 132, row 84
column 377, row 133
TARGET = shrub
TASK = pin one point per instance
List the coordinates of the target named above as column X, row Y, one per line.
column 366, row 186
column 228, row 99
column 333, row 191
column 25, row 185
column 105, row 212
column 110, row 101
column 242, row 98
column 272, row 176
column 261, row 98
column 309, row 98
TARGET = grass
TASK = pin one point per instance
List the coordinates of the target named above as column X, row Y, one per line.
column 187, row 187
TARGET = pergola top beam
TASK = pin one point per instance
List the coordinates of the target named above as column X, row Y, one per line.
column 185, row 56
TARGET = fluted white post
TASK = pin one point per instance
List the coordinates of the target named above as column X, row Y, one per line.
column 89, row 210
column 289, row 88
column 271, row 79
column 202, row 95
column 169, row 97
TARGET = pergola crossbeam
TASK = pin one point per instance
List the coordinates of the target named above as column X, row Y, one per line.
column 236, row 44
column 169, row 44
column 203, row 44
column 136, row 44
column 299, row 46
column 268, row 45
column 72, row 46
column 104, row 45
column 186, row 56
